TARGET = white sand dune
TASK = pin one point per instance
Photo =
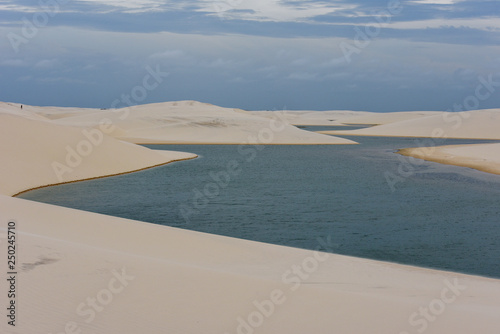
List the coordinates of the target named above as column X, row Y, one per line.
column 389, row 117
column 477, row 124
column 343, row 117
column 15, row 109
column 38, row 153
column 312, row 118
column 179, row 281
column 190, row 122
column 483, row 157
column 80, row 272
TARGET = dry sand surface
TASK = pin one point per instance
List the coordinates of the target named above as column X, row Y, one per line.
column 102, row 274
column 38, row 153
column 343, row 117
column 476, row 124
column 190, row 122
column 484, row 157
column 80, row 272
column 306, row 117
column 389, row 117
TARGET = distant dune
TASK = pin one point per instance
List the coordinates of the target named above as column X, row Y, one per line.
column 343, row 117
column 37, row 152
column 307, row 117
column 476, row 124
column 483, row 157
column 190, row 122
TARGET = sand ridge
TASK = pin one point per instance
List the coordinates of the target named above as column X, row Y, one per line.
column 475, row 124
column 191, row 122
column 483, row 157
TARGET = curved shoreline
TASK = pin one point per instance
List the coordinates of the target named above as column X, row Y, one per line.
column 346, row 133
column 101, row 177
column 197, row 282
column 442, row 154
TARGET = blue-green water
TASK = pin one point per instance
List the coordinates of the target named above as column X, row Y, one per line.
column 438, row 216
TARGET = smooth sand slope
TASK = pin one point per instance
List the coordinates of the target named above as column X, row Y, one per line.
column 101, row 274
column 389, row 117
column 80, row 272
column 190, row 122
column 307, row 117
column 484, row 157
column 343, row 117
column 477, row 124
column 38, row 153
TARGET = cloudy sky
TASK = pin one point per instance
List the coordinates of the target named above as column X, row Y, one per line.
column 375, row 55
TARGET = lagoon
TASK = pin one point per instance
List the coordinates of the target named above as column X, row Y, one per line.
column 435, row 216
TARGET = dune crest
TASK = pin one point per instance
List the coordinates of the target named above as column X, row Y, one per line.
column 475, row 124
column 483, row 157
column 38, row 153
column 191, row 122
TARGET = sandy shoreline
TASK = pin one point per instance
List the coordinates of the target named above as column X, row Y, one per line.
column 474, row 124
column 103, row 176
column 350, row 134
column 483, row 157
column 177, row 275
column 81, row 272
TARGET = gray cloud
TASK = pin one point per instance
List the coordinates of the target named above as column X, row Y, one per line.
column 258, row 54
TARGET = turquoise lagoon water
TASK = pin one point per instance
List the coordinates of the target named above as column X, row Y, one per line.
column 434, row 215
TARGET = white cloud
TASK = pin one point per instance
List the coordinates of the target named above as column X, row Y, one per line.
column 436, row 2
column 491, row 23
column 130, row 6
column 269, row 10
column 12, row 6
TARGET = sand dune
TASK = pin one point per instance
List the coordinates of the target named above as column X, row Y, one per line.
column 389, row 117
column 80, row 272
column 190, row 122
column 38, row 153
column 15, row 109
column 307, row 117
column 148, row 278
column 343, row 117
column 483, row 157
column 477, row 124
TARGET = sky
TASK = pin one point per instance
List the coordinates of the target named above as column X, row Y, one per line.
column 373, row 55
